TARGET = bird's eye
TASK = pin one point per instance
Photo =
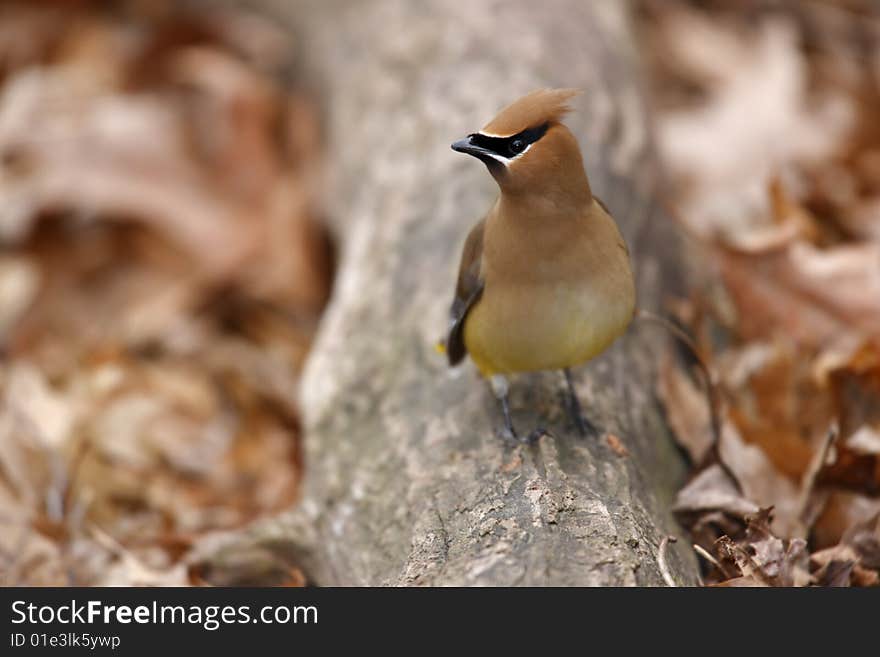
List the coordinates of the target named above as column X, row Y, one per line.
column 517, row 146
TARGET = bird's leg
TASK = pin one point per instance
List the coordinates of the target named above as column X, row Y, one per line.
column 582, row 423
column 500, row 389
column 508, row 431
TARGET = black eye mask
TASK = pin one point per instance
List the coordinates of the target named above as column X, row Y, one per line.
column 512, row 146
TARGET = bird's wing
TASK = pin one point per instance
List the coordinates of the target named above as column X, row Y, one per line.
column 467, row 292
column 620, row 241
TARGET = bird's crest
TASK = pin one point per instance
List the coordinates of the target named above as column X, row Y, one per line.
column 540, row 107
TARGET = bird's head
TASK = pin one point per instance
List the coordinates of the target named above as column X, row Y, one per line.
column 528, row 150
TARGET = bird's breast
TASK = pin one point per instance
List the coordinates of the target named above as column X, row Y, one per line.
column 557, row 292
column 523, row 327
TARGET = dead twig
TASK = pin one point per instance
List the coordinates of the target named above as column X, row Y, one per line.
column 712, row 397
column 699, row 549
column 661, row 561
column 808, row 483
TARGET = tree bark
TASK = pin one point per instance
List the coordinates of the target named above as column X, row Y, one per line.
column 406, row 481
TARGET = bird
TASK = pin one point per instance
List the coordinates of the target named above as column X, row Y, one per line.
column 545, row 280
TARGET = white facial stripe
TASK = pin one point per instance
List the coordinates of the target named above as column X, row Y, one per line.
column 506, row 161
column 499, row 158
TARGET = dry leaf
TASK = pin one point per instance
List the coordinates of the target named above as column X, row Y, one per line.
column 162, row 280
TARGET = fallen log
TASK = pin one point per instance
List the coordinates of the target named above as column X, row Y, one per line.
column 406, row 483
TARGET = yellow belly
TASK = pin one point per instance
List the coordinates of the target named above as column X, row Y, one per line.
column 543, row 327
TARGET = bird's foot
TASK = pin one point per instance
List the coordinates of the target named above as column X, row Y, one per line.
column 535, row 435
column 508, row 433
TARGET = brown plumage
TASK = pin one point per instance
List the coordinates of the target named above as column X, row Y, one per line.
column 545, row 280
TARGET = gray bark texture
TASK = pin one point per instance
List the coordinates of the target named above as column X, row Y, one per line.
column 406, row 481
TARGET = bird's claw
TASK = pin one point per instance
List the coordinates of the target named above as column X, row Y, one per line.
column 507, row 433
column 535, row 436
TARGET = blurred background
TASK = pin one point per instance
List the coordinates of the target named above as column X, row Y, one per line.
column 164, row 267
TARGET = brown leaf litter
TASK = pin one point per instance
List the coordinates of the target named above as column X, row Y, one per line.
column 766, row 117
column 162, row 274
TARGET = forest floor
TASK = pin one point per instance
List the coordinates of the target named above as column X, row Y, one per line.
column 766, row 124
column 164, row 270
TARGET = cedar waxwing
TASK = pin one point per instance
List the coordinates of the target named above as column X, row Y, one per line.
column 545, row 281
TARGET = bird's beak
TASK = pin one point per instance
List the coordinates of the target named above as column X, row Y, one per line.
column 466, row 145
